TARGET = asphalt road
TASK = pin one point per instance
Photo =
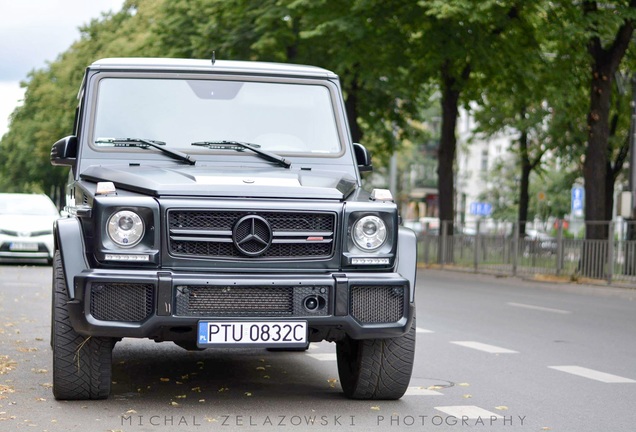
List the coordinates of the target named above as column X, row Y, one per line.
column 493, row 354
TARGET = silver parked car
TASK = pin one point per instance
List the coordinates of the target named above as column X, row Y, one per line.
column 26, row 227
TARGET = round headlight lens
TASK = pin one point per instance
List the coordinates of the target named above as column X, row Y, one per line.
column 125, row 228
column 369, row 233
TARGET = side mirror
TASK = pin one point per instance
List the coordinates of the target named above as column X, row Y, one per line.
column 363, row 158
column 64, row 152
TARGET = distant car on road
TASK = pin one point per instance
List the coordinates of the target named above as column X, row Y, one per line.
column 538, row 242
column 26, row 227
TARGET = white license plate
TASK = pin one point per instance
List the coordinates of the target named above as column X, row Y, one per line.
column 23, row 247
column 252, row 333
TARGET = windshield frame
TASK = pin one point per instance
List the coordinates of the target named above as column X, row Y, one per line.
column 203, row 153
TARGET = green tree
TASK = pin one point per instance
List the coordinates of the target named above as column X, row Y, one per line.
column 597, row 42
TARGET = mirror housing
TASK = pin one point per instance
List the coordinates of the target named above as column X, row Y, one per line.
column 64, row 151
column 363, row 158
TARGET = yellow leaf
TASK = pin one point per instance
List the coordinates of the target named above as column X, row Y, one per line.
column 435, row 387
column 248, row 394
column 375, row 408
column 164, row 379
column 260, row 368
column 173, row 403
column 501, row 408
column 201, row 400
column 463, row 384
column 181, row 396
column 131, row 411
column 467, row 396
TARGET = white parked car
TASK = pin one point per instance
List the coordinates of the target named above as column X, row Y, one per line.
column 26, row 227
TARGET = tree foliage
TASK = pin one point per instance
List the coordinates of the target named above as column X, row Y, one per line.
column 546, row 69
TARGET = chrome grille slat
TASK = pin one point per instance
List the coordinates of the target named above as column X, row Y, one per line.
column 208, row 234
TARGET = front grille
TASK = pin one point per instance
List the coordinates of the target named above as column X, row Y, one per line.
column 121, row 301
column 247, row 301
column 213, row 234
column 377, row 304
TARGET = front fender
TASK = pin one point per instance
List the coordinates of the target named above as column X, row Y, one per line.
column 407, row 257
column 70, row 242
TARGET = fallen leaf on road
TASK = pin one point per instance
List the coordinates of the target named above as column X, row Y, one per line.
column 6, row 365
column 260, row 368
column 467, row 396
column 375, row 408
column 332, row 382
column 248, row 394
column 132, row 411
column 164, row 379
column 463, row 384
column 174, row 403
column 501, row 408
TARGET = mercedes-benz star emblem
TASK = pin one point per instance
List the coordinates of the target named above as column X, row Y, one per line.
column 252, row 235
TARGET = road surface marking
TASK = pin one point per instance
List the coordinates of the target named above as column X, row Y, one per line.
column 421, row 330
column 324, row 356
column 467, row 411
column 421, row 391
column 593, row 374
column 540, row 308
column 484, row 347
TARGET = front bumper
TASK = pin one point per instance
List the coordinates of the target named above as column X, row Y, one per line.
column 26, row 248
column 167, row 305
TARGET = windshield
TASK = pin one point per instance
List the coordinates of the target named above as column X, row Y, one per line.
column 283, row 118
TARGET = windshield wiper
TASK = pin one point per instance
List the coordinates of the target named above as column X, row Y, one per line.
column 238, row 145
column 145, row 143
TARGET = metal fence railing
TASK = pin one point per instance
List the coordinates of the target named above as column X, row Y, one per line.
column 562, row 251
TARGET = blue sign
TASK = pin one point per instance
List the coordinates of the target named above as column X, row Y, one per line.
column 480, row 209
column 578, row 200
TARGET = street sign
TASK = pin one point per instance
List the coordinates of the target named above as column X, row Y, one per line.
column 578, row 200
column 480, row 209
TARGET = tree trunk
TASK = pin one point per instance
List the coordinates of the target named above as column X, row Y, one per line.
column 447, row 148
column 595, row 167
column 524, row 183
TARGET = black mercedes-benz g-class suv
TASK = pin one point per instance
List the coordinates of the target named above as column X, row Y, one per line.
column 219, row 204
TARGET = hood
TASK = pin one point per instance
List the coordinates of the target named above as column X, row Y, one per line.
column 27, row 224
column 226, row 182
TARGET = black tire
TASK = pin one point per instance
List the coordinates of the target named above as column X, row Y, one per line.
column 376, row 368
column 81, row 365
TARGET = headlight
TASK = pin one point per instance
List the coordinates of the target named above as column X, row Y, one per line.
column 125, row 228
column 369, row 233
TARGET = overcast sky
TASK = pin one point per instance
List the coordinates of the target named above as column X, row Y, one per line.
column 33, row 32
